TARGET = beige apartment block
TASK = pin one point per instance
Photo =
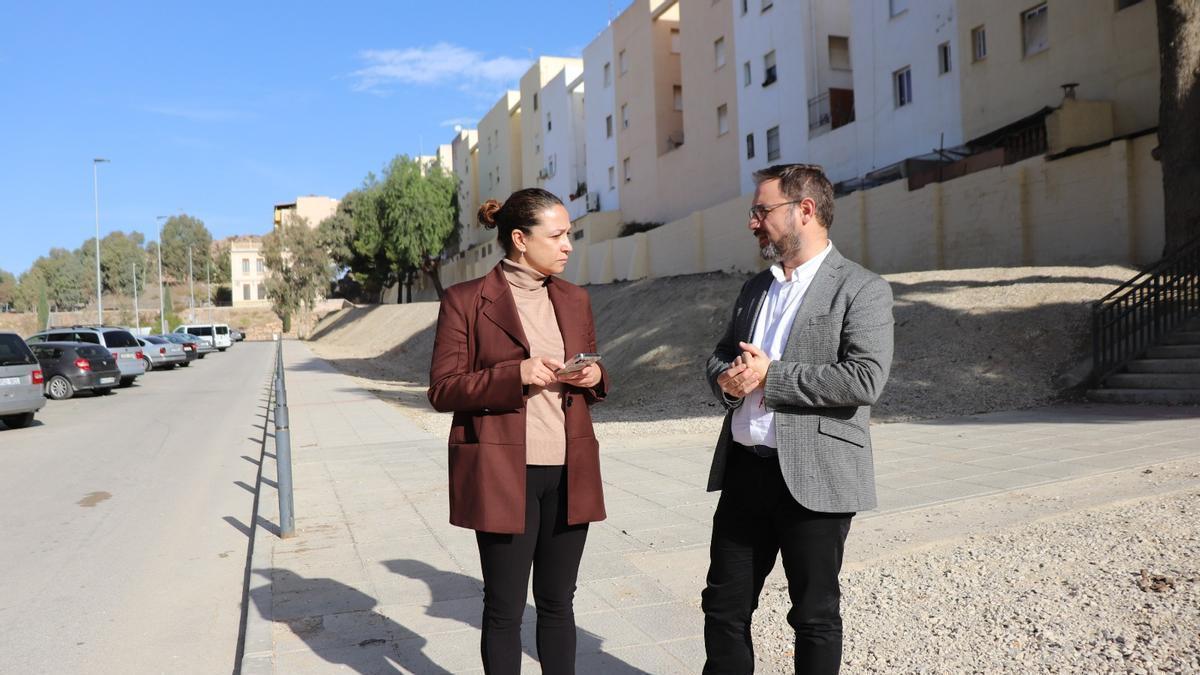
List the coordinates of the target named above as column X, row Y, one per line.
column 312, row 209
column 1017, row 56
column 464, row 153
column 248, row 272
column 500, row 149
column 544, row 69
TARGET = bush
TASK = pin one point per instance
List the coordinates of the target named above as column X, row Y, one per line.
column 633, row 227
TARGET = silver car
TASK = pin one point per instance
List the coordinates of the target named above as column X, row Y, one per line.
column 21, row 382
column 159, row 353
column 118, row 341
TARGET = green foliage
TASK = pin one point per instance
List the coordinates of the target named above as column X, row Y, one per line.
column 300, row 268
column 222, row 264
column 8, row 289
column 179, row 234
column 119, row 252
column 43, row 309
column 69, row 277
column 634, row 227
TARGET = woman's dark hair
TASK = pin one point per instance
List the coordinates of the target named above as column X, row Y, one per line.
column 519, row 212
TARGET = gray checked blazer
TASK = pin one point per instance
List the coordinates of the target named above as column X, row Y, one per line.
column 833, row 368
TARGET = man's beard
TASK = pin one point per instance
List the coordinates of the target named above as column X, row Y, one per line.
column 790, row 243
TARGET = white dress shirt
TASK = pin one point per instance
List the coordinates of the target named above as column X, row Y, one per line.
column 754, row 423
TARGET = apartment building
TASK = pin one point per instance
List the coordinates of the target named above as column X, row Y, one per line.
column 311, row 209
column 563, row 144
column 500, row 149
column 600, row 122
column 533, row 117
column 248, row 272
column 464, row 153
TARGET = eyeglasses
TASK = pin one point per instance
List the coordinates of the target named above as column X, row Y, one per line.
column 759, row 212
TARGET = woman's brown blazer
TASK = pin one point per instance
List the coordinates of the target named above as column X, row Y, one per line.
column 476, row 374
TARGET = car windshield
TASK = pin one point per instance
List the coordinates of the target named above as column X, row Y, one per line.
column 90, row 352
column 14, row 351
column 200, row 330
column 116, row 339
column 222, row 330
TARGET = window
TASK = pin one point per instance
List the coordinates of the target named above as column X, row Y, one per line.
column 722, row 119
column 607, row 74
column 769, row 69
column 625, row 169
column 624, row 115
column 1122, row 4
column 839, row 52
column 767, row 4
column 749, row 146
column 608, row 127
column 245, row 266
column 677, row 91
column 259, row 265
column 746, row 76
column 1034, row 30
column 674, row 40
column 978, row 43
column 621, row 62
column 943, row 58
column 897, row 6
column 772, row 144
column 549, row 124
column 745, row 6
column 535, row 100
column 245, row 291
column 902, row 81
column 612, row 178
column 719, row 52
column 262, row 292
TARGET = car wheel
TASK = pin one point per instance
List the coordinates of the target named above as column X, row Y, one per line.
column 59, row 388
column 185, row 364
column 103, row 391
column 149, row 364
column 203, row 355
column 221, row 349
column 126, row 381
column 17, row 421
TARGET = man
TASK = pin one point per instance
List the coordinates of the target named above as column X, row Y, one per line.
column 805, row 354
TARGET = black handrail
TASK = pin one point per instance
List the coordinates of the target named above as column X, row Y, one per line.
column 1139, row 313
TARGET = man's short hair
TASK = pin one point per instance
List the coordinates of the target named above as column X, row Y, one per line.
column 802, row 181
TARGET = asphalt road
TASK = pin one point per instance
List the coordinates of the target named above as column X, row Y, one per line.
column 124, row 522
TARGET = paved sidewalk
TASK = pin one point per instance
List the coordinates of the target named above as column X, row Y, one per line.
column 377, row 581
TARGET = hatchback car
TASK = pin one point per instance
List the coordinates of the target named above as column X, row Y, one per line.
column 159, row 353
column 215, row 334
column 70, row 367
column 118, row 341
column 20, row 382
column 191, row 350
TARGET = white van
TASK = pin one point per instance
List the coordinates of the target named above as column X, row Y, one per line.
column 215, row 334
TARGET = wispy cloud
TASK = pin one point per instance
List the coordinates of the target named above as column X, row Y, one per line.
column 442, row 63
column 198, row 114
column 458, row 121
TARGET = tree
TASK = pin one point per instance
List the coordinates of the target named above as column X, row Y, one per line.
column 353, row 238
column 69, row 277
column 8, row 289
column 300, row 269
column 222, row 264
column 418, row 217
column 1179, row 109
column 119, row 252
column 29, row 288
column 179, row 234
column 43, row 309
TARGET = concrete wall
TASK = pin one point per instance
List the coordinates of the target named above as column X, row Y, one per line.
column 1112, row 54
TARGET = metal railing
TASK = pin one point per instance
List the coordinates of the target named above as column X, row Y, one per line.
column 283, row 449
column 1139, row 313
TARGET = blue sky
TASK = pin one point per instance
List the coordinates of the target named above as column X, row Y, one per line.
column 222, row 109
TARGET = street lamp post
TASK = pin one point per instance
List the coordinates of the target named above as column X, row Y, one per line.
column 191, row 290
column 96, row 196
column 162, row 305
column 137, row 319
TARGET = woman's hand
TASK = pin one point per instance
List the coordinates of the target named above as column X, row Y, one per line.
column 585, row 378
column 539, row 371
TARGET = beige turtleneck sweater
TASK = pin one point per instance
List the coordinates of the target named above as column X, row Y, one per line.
column 545, row 428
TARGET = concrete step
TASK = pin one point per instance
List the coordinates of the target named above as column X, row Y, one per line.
column 1153, row 381
column 1148, row 396
column 1183, row 337
column 1177, row 366
column 1174, row 352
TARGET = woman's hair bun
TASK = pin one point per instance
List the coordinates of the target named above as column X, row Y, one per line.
column 487, row 213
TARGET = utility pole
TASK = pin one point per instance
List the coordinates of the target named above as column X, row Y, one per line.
column 96, row 195
column 137, row 320
column 191, row 290
column 208, row 267
column 162, row 299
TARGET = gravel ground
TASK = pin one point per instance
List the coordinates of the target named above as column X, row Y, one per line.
column 967, row 341
column 1062, row 595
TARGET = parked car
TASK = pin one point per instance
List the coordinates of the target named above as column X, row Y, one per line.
column 20, row 382
column 119, row 342
column 215, row 334
column 191, row 350
column 70, row 367
column 160, row 353
column 237, row 335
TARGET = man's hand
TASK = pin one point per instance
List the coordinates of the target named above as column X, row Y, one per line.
column 738, row 380
column 755, row 360
column 585, row 378
column 539, row 371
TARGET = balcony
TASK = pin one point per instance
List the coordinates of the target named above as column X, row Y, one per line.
column 830, row 110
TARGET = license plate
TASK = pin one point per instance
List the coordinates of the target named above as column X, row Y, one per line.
column 7, row 381
column 107, row 380
column 125, row 356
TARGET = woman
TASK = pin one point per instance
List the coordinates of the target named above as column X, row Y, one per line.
column 524, row 461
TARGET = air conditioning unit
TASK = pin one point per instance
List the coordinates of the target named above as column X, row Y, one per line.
column 593, row 201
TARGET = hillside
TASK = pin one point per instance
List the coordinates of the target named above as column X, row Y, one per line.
column 967, row 341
